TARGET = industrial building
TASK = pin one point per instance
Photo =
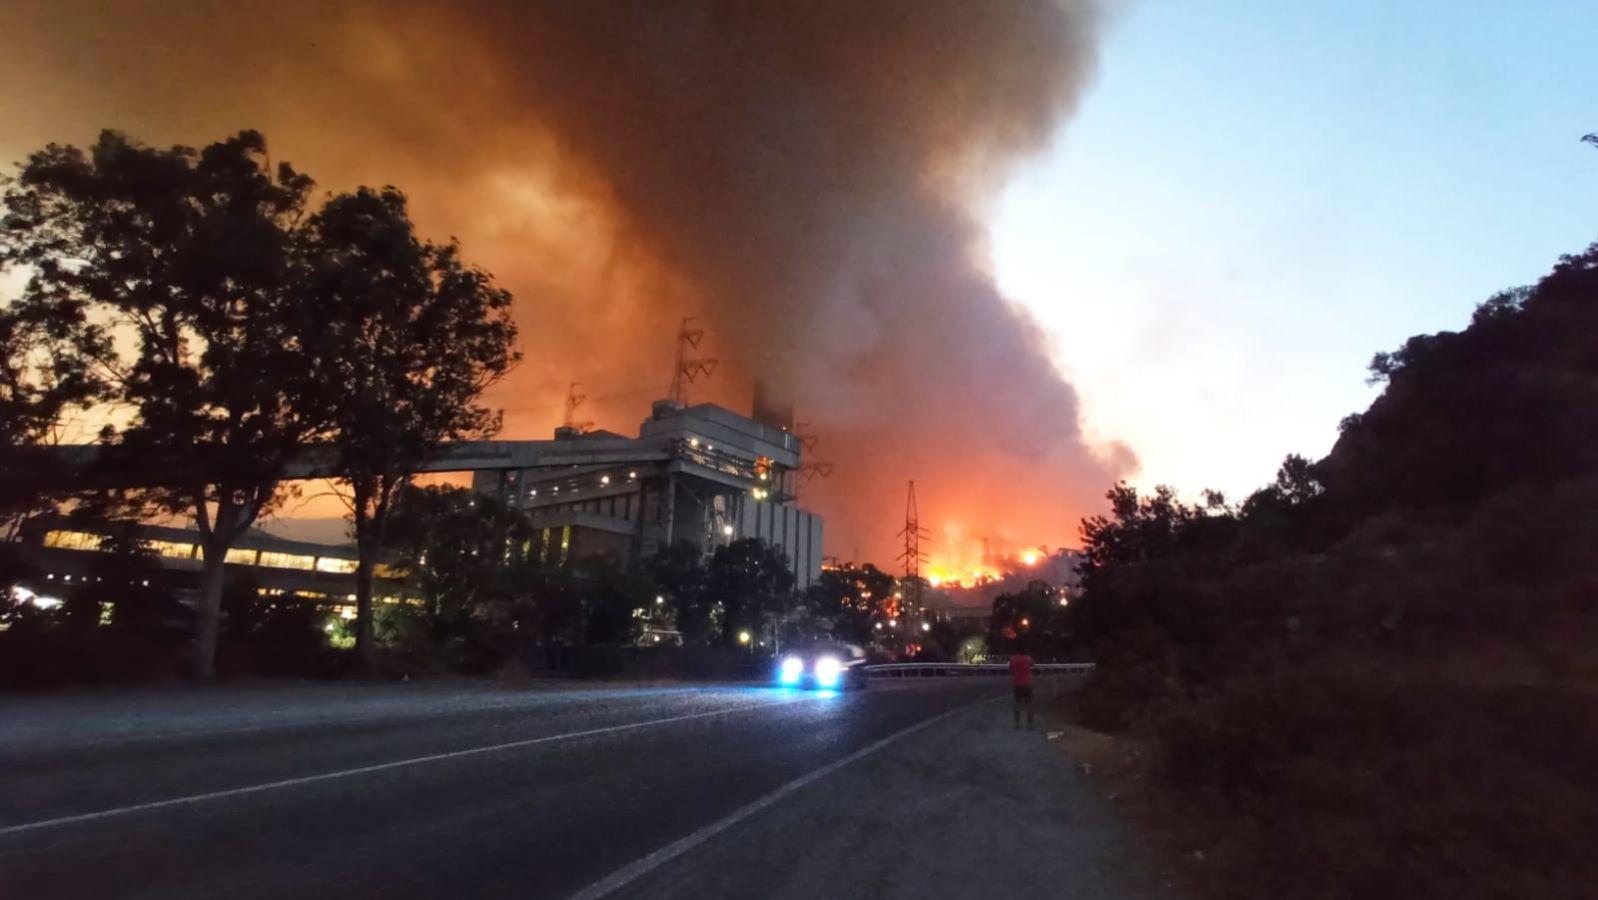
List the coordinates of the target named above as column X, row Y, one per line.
column 67, row 551
column 700, row 474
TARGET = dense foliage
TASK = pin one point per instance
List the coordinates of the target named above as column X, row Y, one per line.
column 858, row 599
column 174, row 267
column 216, row 323
column 1370, row 678
column 411, row 336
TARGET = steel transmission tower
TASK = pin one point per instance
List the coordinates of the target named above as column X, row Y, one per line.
column 688, row 369
column 808, row 468
column 574, row 400
column 911, row 556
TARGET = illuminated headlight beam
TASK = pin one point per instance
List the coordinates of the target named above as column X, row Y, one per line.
column 827, row 671
column 790, row 671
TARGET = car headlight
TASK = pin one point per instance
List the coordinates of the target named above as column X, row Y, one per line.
column 827, row 670
column 791, row 669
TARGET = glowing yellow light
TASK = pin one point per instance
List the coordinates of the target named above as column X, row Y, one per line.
column 743, row 637
column 934, row 580
column 1030, row 557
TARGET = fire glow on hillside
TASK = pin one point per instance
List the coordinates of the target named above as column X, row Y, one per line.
column 947, row 570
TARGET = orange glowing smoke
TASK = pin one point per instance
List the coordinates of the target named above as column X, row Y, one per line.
column 800, row 176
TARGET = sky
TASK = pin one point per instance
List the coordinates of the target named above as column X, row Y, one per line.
column 1254, row 198
column 1207, row 216
column 800, row 177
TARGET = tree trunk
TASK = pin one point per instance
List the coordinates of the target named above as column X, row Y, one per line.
column 365, row 636
column 366, row 549
column 208, row 625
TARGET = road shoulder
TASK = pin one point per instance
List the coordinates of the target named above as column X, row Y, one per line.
column 968, row 807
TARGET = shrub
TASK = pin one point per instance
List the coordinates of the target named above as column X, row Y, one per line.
column 1330, row 784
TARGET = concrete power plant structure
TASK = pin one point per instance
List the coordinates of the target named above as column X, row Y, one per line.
column 700, row 474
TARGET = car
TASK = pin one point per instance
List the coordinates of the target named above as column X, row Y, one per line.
column 828, row 665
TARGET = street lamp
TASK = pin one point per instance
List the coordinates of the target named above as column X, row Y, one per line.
column 743, row 637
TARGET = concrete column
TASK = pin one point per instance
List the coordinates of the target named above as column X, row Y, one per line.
column 671, row 505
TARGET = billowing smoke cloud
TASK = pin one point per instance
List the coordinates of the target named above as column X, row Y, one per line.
column 800, row 176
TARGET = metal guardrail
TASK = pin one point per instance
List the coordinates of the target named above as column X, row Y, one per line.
column 957, row 670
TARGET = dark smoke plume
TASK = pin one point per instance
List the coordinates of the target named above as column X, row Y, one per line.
column 799, row 175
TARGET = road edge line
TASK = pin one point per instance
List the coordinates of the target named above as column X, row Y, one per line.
column 646, row 864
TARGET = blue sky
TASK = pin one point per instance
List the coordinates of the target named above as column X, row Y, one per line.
column 1256, row 197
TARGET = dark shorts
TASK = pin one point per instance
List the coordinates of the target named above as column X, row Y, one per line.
column 1023, row 692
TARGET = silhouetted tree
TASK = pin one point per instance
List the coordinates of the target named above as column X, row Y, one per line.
column 1031, row 617
column 48, row 350
column 856, row 598
column 185, row 256
column 126, row 580
column 410, row 336
column 678, row 572
column 1140, row 528
column 614, row 601
column 751, row 581
column 456, row 546
column 1277, row 516
column 1508, row 400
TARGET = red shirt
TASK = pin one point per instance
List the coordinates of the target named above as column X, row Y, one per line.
column 1021, row 670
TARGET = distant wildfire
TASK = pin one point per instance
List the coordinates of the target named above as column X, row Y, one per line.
column 950, row 569
column 802, row 177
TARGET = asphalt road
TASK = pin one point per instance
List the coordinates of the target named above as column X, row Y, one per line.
column 435, row 792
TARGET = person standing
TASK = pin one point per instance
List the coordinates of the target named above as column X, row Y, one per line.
column 1021, row 681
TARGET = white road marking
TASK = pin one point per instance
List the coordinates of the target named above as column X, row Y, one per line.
column 643, row 866
column 378, row 767
column 128, row 738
